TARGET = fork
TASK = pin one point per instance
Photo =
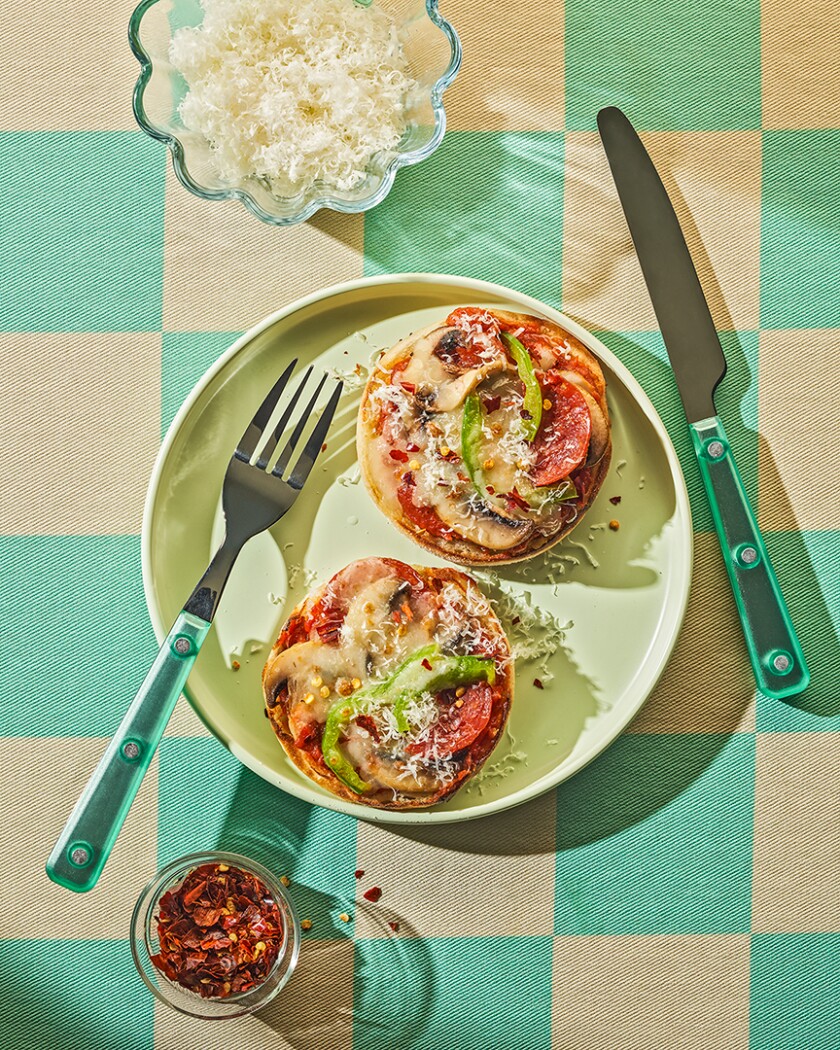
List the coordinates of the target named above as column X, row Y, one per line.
column 253, row 499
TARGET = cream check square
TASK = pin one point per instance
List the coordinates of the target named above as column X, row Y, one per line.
column 42, row 779
column 78, row 460
column 707, row 686
column 647, row 993
column 796, row 855
column 224, row 270
column 714, row 181
column 313, row 1012
column 66, row 68
column 506, row 860
column 790, row 495
column 799, row 69
column 496, row 90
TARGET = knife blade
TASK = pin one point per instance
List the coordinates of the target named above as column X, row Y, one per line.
column 698, row 363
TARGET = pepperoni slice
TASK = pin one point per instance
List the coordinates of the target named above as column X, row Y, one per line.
column 328, row 612
column 458, row 727
column 294, row 631
column 423, row 517
column 563, row 437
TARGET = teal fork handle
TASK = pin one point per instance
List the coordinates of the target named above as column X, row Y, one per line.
column 775, row 653
column 79, row 855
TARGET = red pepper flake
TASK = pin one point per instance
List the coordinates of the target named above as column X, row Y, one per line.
column 491, row 490
column 615, row 500
column 525, row 413
column 517, row 500
column 426, row 664
column 491, row 404
column 538, row 684
column 373, row 894
column 412, row 447
column 324, row 447
column 235, row 665
column 398, row 455
column 359, row 872
column 219, row 931
column 408, row 387
column 395, row 926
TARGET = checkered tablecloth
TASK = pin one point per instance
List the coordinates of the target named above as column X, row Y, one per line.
column 683, row 891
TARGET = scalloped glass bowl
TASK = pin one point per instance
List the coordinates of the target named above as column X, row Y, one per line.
column 433, row 53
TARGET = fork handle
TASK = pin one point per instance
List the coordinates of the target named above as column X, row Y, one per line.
column 79, row 855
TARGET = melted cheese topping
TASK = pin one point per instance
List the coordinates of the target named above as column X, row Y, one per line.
column 371, row 643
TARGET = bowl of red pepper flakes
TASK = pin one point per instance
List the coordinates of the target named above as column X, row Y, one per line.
column 214, row 935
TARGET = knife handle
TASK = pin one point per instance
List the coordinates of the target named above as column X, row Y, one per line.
column 775, row 653
column 79, row 855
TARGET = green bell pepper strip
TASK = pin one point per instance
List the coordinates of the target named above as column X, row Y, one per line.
column 471, row 444
column 561, row 492
column 408, row 681
column 472, row 455
column 533, row 401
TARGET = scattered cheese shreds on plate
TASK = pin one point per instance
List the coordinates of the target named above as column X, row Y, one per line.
column 293, row 91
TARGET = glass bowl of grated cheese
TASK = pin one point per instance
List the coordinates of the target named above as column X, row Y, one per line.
column 293, row 105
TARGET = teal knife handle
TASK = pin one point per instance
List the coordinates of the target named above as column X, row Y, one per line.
column 79, row 855
column 775, row 653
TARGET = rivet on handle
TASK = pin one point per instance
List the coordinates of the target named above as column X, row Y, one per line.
column 80, row 855
column 715, row 449
column 747, row 556
column 780, row 662
column 182, row 645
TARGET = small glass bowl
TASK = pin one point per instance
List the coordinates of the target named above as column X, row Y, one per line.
column 433, row 53
column 144, row 941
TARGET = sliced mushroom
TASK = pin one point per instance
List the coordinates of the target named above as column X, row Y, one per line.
column 307, row 658
column 447, row 396
column 599, row 437
column 486, row 528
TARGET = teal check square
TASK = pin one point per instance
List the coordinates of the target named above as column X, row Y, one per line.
column 61, row 995
column 670, row 65
column 74, row 603
column 806, row 564
column 89, row 206
column 793, row 991
column 473, row 993
column 800, row 228
column 487, row 205
column 208, row 800
column 185, row 358
column 655, row 837
column 736, row 400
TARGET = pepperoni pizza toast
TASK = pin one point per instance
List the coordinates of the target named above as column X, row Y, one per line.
column 391, row 684
column 485, row 438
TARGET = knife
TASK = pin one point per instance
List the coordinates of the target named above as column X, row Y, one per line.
column 699, row 365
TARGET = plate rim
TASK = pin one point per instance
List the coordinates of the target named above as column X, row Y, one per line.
column 567, row 769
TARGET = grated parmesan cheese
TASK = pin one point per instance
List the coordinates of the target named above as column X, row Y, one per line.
column 293, row 91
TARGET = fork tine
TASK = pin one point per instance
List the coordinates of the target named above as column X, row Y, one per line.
column 248, row 443
column 307, row 458
column 289, row 447
column 271, row 444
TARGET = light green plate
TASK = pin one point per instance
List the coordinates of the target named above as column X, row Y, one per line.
column 623, row 593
